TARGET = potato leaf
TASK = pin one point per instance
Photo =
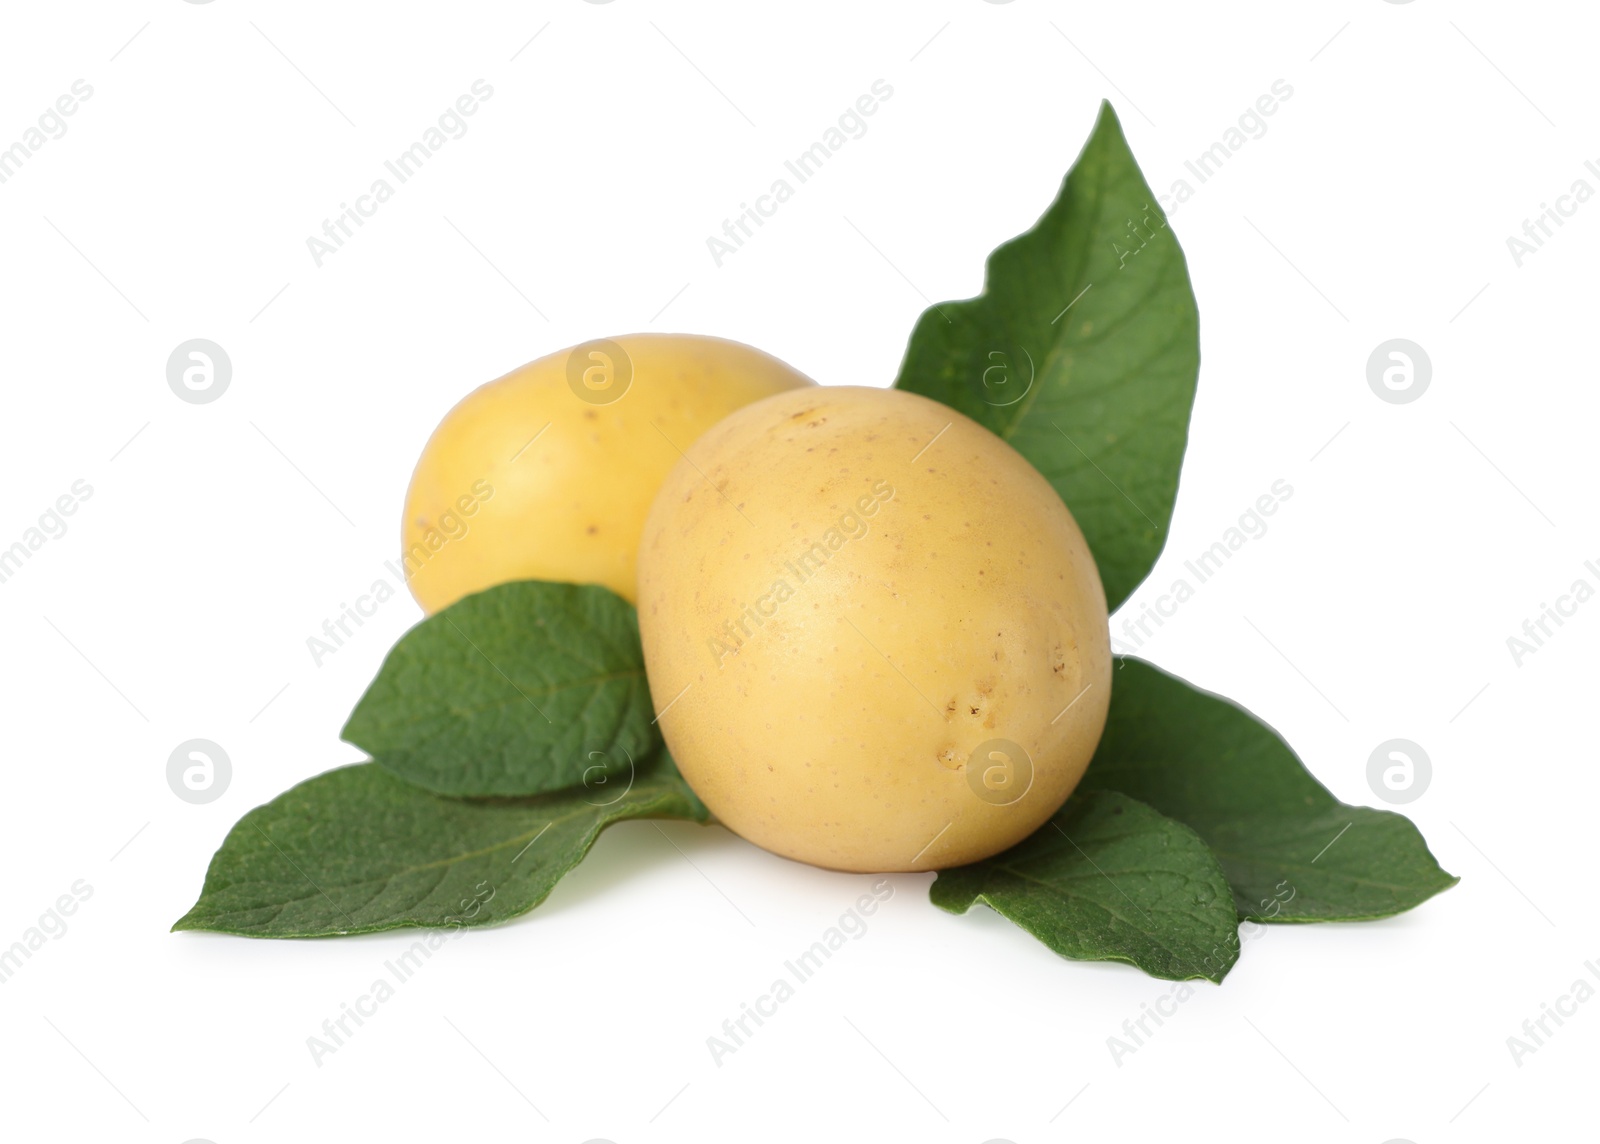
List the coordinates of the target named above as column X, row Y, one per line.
column 526, row 688
column 1109, row 879
column 357, row 850
column 1082, row 352
column 1291, row 851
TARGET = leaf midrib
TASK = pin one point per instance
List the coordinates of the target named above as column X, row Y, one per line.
column 523, row 694
column 455, row 859
column 1076, row 276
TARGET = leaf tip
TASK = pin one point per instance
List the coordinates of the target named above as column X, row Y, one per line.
column 1107, row 119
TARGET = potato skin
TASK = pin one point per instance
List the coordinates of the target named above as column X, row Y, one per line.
column 837, row 614
column 486, row 507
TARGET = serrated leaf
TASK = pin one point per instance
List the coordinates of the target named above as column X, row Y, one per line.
column 1109, row 879
column 1082, row 352
column 356, row 850
column 1292, row 852
column 524, row 688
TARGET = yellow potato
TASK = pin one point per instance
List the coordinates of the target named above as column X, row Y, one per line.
column 877, row 637
column 548, row 472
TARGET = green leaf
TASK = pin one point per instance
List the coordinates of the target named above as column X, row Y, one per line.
column 1109, row 879
column 525, row 688
column 1082, row 352
column 1292, row 852
column 357, row 850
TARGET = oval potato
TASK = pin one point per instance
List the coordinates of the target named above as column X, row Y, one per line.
column 548, row 472
column 876, row 637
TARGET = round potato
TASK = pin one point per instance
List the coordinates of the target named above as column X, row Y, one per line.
column 876, row 637
column 548, row 472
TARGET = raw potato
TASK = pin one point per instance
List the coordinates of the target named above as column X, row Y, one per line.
column 845, row 594
column 486, row 506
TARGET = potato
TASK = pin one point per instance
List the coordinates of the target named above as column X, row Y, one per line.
column 548, row 472
column 875, row 635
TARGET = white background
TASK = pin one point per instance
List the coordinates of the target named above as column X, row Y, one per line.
column 220, row 536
